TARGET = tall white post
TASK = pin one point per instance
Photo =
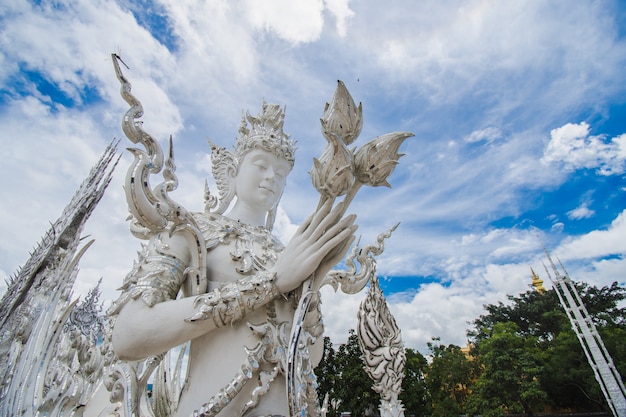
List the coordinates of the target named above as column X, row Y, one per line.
column 599, row 359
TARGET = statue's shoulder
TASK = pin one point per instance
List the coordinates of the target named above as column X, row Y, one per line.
column 214, row 228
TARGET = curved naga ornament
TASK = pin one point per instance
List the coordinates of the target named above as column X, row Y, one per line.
column 352, row 281
column 152, row 210
column 339, row 172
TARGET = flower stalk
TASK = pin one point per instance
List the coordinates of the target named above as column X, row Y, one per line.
column 340, row 172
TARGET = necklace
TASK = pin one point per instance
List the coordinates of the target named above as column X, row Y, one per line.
column 254, row 248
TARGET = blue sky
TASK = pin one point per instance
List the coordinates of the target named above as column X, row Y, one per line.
column 517, row 110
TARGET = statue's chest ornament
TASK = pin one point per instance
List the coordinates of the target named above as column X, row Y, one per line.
column 252, row 249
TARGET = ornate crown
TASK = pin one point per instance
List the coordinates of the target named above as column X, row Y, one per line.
column 265, row 132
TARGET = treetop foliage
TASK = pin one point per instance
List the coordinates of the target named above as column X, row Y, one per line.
column 522, row 357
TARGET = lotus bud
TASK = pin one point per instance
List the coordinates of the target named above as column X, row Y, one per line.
column 375, row 161
column 332, row 174
column 341, row 116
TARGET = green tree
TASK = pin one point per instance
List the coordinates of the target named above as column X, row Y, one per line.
column 353, row 386
column 341, row 375
column 448, row 378
column 568, row 378
column 509, row 381
column 414, row 395
column 552, row 356
column 326, row 373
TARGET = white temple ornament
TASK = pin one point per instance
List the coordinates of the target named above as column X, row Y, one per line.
column 380, row 341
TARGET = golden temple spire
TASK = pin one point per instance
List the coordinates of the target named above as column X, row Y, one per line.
column 537, row 282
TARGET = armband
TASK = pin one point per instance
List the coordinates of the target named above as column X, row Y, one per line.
column 160, row 280
column 231, row 301
column 154, row 279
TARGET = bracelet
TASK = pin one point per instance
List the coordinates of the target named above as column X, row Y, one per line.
column 231, row 301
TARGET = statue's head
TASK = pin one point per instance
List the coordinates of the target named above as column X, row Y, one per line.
column 263, row 132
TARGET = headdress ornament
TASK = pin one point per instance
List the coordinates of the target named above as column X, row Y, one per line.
column 265, row 131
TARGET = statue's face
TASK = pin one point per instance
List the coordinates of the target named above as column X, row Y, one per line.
column 261, row 179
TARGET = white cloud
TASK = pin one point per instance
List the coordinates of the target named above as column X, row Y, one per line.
column 482, row 268
column 340, row 313
column 605, row 271
column 295, row 22
column 448, row 51
column 557, row 228
column 582, row 212
column 342, row 12
column 215, row 42
column 435, row 310
column 574, row 148
column 488, row 134
column 283, row 227
column 43, row 166
column 76, row 55
column 597, row 243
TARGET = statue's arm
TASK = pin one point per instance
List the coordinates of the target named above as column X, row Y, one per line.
column 151, row 320
column 141, row 330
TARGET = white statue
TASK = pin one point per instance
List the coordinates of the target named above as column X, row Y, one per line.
column 247, row 304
